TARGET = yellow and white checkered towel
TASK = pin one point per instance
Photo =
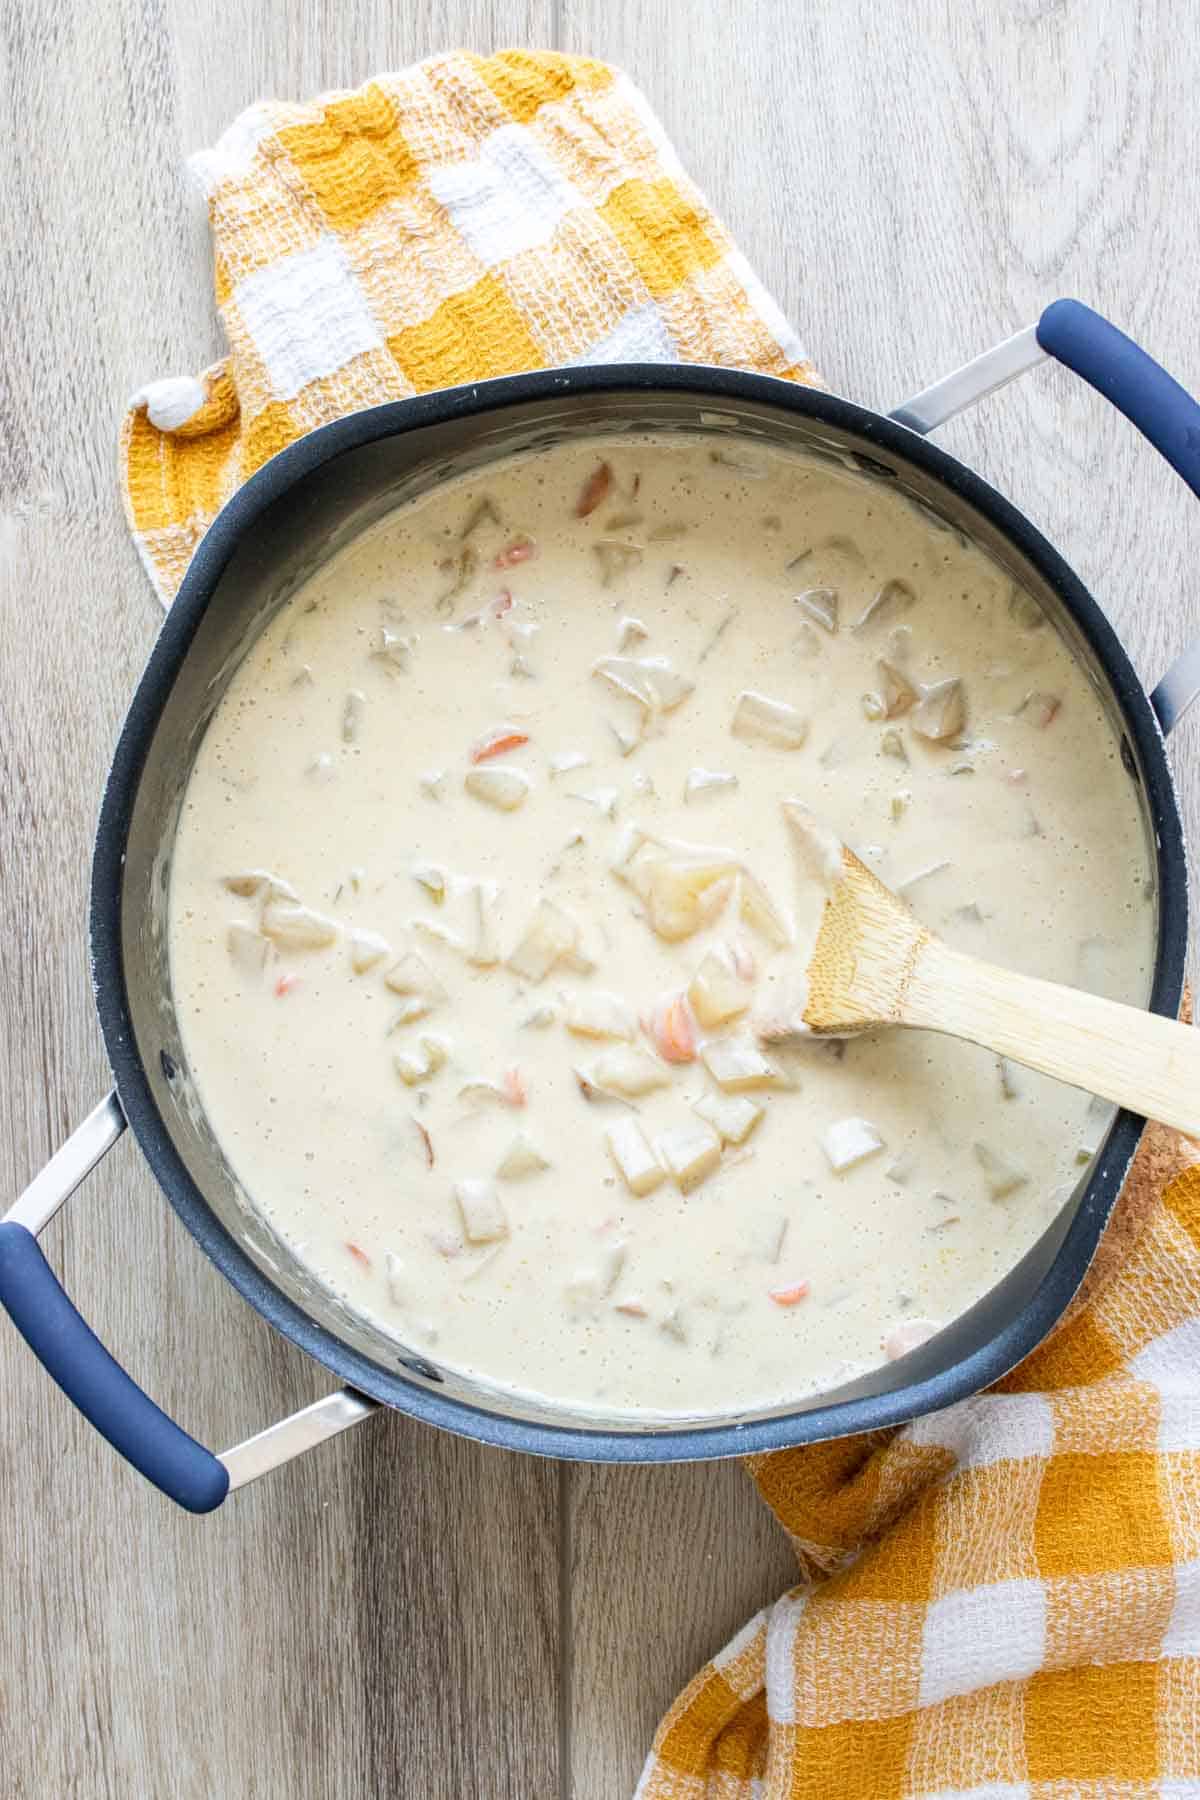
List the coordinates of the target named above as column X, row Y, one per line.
column 1000, row 1602
column 473, row 216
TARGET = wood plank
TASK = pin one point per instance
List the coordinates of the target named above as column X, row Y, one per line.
column 665, row 1565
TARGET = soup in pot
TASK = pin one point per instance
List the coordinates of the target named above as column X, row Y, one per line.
column 485, row 890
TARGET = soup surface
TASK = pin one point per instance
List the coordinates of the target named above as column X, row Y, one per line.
column 485, row 894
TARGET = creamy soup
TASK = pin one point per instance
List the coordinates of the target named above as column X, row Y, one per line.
column 484, row 888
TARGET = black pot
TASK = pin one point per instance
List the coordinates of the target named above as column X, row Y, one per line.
column 306, row 501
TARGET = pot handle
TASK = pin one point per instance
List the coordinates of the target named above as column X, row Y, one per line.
column 108, row 1398
column 1163, row 411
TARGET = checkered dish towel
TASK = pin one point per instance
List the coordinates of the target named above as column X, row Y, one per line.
column 1000, row 1601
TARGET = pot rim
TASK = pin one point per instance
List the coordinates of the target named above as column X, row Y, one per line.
column 657, row 1442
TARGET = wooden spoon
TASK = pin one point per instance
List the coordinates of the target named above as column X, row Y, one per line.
column 875, row 964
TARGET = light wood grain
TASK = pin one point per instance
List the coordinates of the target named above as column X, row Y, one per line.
column 911, row 182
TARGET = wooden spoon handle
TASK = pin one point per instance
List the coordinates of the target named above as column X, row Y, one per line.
column 1137, row 1059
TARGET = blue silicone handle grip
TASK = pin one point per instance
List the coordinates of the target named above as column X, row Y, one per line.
column 71, row 1352
column 1110, row 362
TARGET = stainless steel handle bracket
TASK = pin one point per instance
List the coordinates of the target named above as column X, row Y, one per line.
column 53, row 1186
column 1180, row 686
column 304, row 1430
column 268, row 1449
column 965, row 387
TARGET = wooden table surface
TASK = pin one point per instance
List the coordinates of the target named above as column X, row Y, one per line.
column 403, row 1614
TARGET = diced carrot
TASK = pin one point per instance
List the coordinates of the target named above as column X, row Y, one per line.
column 497, row 743
column 285, row 984
column 633, row 1309
column 520, row 550
column 359, row 1254
column 789, row 1296
column 594, row 491
column 672, row 1029
column 515, row 1090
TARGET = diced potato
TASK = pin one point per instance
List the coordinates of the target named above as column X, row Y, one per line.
column 682, row 889
column 391, row 651
column 774, row 722
column 942, row 712
column 893, row 598
column 848, row 1142
column 612, row 1262
column 426, row 1057
column 737, row 1064
column 604, row 799
column 902, row 1168
column 521, row 1159
column 1099, row 1116
column 411, row 1008
column 432, row 879
column 1002, row 1175
column 248, row 949
column 899, row 694
column 630, row 631
column 819, row 845
column 1024, row 610
column 437, row 933
column 640, row 1169
column 690, row 1152
column 396, row 1285
column 479, row 1091
column 615, row 558
column 253, row 884
column 598, row 1014
column 1040, row 709
column 716, row 993
column 652, row 681
column 551, row 935
column 411, row 974
column 732, row 1116
column 485, row 952
column 765, row 1233
column 367, row 948
column 708, row 784
column 568, row 761
column 483, row 1216
column 505, row 789
column 353, row 708
column 629, row 1072
column 1010, row 1078
column 759, row 911
column 295, row 927
column 821, row 605
column 907, row 1336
